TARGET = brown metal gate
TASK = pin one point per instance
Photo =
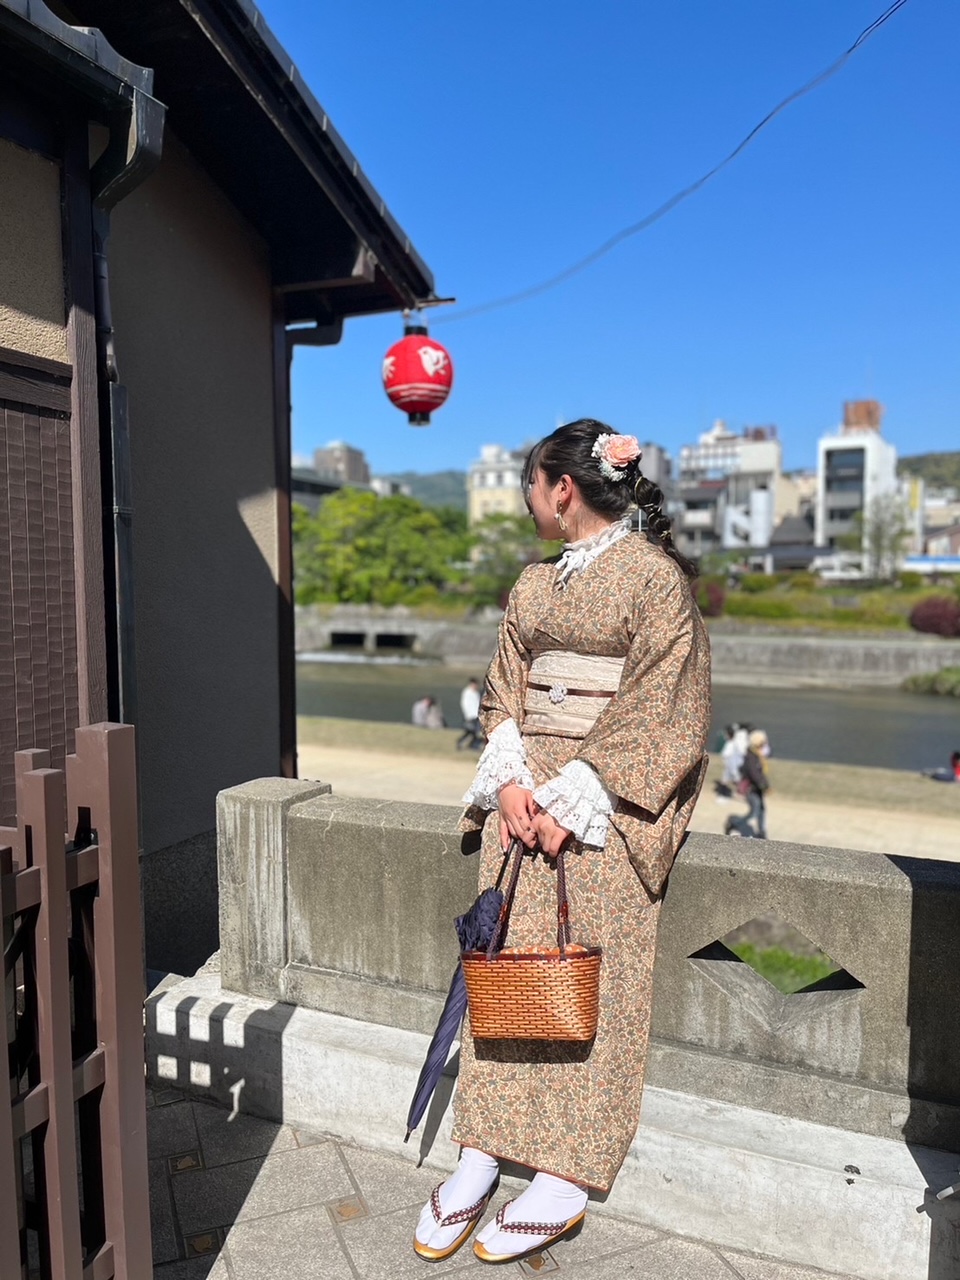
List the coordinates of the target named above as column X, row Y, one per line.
column 74, row 1201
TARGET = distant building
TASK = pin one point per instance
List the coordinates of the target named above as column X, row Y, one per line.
column 855, row 466
column 912, row 492
column 943, row 542
column 731, row 491
column 720, row 453
column 698, row 517
column 800, row 487
column 308, row 487
column 384, row 487
column 344, row 462
column 941, row 507
column 657, row 465
column 493, row 483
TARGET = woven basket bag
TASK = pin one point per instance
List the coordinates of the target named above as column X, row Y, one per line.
column 515, row 993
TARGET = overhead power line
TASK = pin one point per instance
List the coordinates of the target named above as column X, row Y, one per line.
column 662, row 210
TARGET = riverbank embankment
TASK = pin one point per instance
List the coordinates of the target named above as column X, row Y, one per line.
column 741, row 654
column 837, row 806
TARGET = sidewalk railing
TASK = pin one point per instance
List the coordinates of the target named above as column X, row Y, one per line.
column 74, row 1202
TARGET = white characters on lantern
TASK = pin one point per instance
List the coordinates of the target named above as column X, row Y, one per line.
column 389, row 365
column 433, row 359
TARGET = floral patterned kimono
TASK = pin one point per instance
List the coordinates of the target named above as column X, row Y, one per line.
column 598, row 699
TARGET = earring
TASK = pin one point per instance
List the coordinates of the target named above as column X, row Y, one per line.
column 560, row 521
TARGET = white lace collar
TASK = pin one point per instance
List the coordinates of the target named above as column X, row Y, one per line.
column 577, row 555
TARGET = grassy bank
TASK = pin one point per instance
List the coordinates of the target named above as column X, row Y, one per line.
column 784, row 969
column 945, row 682
column 797, row 600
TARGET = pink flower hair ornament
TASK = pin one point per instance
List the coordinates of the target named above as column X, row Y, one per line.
column 615, row 454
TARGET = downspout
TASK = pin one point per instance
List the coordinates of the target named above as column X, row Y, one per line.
column 132, row 154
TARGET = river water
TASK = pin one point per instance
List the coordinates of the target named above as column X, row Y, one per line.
column 879, row 727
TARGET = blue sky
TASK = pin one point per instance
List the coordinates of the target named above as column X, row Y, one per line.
column 511, row 139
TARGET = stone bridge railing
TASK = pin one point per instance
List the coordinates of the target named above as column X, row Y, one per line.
column 348, row 907
column 809, row 1126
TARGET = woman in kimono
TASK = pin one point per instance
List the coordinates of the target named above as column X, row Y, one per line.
column 597, row 708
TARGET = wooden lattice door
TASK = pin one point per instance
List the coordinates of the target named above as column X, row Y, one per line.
column 39, row 696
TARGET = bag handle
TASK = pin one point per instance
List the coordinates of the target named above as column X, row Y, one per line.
column 519, row 851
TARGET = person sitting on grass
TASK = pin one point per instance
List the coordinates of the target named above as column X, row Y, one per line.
column 952, row 774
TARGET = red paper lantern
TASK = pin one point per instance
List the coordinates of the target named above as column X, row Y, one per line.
column 417, row 375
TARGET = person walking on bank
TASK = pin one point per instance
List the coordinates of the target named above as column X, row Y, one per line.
column 752, row 786
column 472, row 735
column 731, row 754
column 597, row 711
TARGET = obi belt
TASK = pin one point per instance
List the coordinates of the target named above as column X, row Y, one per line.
column 567, row 691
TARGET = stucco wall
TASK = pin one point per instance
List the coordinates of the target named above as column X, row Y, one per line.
column 32, row 316
column 192, row 309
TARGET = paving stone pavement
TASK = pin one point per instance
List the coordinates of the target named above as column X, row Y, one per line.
column 236, row 1198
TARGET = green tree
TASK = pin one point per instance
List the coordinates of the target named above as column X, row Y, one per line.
column 363, row 549
column 503, row 546
column 880, row 533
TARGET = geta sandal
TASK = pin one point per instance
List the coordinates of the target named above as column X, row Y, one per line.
column 470, row 1216
column 554, row 1231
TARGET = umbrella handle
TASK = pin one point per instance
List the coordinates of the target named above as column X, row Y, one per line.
column 505, row 863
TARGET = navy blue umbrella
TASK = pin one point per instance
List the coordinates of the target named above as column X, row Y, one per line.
column 475, row 930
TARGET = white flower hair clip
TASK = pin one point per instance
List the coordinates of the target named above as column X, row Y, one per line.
column 615, row 453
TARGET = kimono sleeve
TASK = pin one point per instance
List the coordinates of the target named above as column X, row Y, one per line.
column 651, row 736
column 505, row 686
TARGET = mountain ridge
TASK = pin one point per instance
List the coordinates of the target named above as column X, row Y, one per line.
column 434, row 488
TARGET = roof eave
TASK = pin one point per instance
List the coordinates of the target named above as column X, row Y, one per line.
column 237, row 26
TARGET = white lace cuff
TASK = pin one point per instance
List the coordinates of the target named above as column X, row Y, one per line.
column 579, row 801
column 504, row 760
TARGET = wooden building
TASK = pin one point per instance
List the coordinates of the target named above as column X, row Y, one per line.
column 176, row 211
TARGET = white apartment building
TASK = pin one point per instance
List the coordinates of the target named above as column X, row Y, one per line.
column 855, row 465
column 493, row 483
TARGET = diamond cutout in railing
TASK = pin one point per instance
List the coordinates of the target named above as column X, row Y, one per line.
column 781, row 955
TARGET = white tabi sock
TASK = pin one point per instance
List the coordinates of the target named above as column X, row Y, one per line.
column 472, row 1180
column 549, row 1201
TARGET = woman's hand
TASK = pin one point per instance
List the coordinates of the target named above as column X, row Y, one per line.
column 517, row 813
column 549, row 833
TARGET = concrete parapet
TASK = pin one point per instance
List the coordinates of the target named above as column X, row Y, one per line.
column 872, row 1048
column 252, row 869
column 347, row 906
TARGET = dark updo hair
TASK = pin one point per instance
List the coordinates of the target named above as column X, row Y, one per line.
column 568, row 451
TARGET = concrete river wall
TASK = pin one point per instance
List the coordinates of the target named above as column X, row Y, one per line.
column 739, row 656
